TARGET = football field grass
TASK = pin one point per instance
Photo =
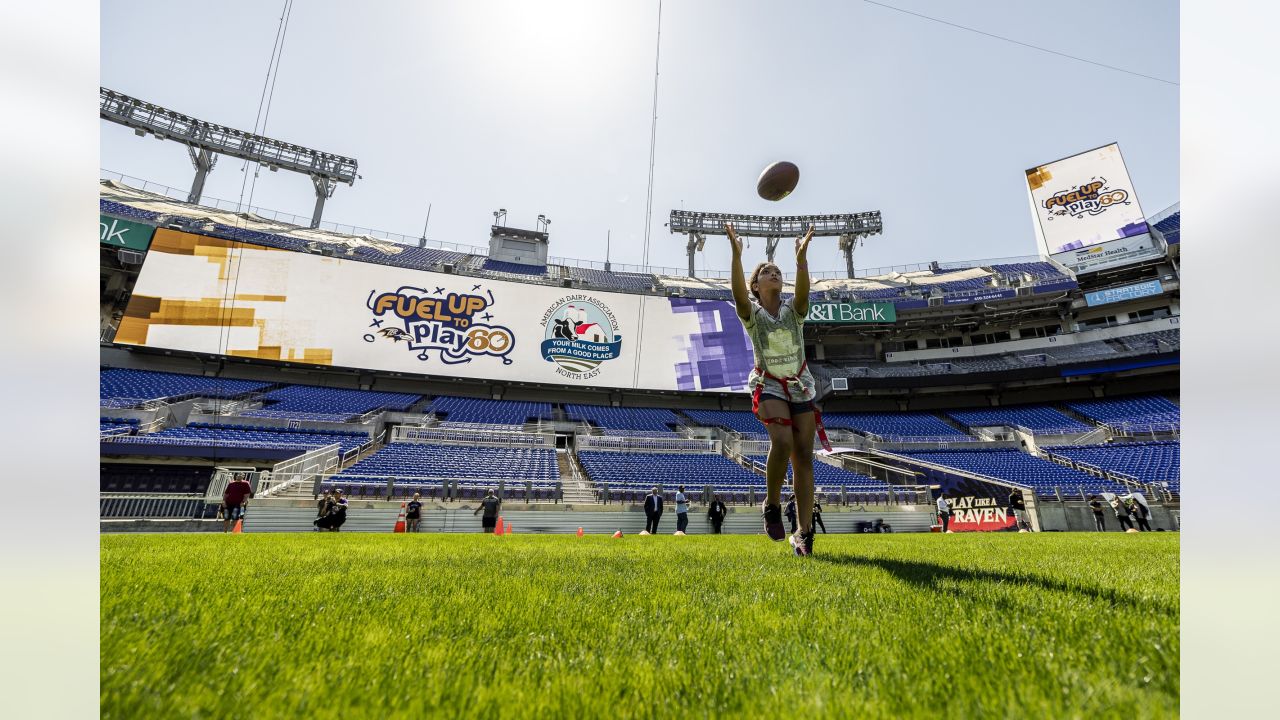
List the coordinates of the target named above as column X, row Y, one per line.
column 353, row 626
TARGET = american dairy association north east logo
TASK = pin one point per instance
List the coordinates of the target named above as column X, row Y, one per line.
column 579, row 334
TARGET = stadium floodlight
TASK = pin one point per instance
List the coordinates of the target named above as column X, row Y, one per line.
column 851, row 228
column 205, row 141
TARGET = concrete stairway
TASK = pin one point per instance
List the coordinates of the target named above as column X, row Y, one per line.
column 578, row 489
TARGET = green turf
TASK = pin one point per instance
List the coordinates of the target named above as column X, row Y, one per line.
column 323, row 625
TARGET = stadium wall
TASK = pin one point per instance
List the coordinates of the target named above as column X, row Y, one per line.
column 1125, row 329
column 1075, row 516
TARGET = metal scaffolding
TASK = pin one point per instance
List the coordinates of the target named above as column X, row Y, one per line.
column 851, row 228
column 206, row 140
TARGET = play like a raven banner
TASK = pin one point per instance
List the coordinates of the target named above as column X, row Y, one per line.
column 979, row 514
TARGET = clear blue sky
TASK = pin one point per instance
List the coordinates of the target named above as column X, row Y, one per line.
column 544, row 107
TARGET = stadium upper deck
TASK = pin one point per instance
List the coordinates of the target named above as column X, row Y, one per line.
column 912, row 287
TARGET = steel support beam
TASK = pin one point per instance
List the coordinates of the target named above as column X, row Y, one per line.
column 203, row 161
column 324, row 190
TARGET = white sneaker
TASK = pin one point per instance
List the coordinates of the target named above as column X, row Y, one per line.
column 679, row 532
column 644, row 532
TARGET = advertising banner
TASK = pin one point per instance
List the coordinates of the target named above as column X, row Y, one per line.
column 1084, row 200
column 851, row 313
column 216, row 296
column 124, row 233
column 1125, row 292
column 970, row 513
column 1116, row 253
column 979, row 297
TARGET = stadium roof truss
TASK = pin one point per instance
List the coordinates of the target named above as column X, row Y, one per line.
column 851, row 228
column 206, row 140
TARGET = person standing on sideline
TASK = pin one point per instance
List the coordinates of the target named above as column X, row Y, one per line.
column 716, row 514
column 1122, row 513
column 1096, row 507
column 490, row 505
column 1018, row 507
column 235, row 498
column 944, row 513
column 652, row 512
column 817, row 516
column 783, row 390
column 1140, row 513
column 682, row 510
column 791, row 512
column 413, row 513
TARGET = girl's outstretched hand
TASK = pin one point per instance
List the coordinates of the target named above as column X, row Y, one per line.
column 802, row 244
column 734, row 243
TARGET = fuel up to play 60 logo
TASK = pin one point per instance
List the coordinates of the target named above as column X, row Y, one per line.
column 580, row 333
column 454, row 325
column 1093, row 198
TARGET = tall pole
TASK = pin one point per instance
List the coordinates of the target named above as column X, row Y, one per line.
column 653, row 139
column 608, row 239
column 422, row 242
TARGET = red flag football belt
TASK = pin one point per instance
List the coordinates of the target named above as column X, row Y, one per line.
column 785, row 382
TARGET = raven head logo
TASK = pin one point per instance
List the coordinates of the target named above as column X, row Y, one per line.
column 394, row 334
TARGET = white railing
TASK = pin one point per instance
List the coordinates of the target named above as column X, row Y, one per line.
column 940, row 441
column 458, row 436
column 116, row 431
column 1127, row 429
column 299, row 471
column 152, row 505
column 616, row 443
column 225, row 407
column 442, row 487
column 953, row 471
column 1099, row 434
column 210, row 442
column 121, row 403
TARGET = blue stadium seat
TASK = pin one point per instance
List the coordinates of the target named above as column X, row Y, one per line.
column 122, row 384
column 423, row 461
column 650, row 419
column 1151, row 462
column 308, row 402
column 494, row 412
column 1038, row 419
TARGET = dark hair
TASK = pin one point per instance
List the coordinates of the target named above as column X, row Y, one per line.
column 755, row 277
column 680, row 488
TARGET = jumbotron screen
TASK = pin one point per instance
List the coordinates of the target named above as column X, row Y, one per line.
column 217, row 296
column 1085, row 200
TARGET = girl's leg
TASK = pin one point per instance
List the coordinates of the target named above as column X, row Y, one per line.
column 802, row 428
column 780, row 448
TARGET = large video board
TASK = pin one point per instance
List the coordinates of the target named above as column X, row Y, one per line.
column 216, row 296
column 1087, row 215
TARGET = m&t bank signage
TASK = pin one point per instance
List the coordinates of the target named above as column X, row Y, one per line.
column 851, row 313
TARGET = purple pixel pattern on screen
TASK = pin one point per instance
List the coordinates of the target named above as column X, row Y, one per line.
column 1132, row 229
column 719, row 354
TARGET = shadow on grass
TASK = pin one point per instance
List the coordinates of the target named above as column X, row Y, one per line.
column 931, row 576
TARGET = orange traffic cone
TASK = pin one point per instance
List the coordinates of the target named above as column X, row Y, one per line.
column 399, row 528
column 618, row 534
column 238, row 527
column 579, row 531
column 497, row 530
column 508, row 529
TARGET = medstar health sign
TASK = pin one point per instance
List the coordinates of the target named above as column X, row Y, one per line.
column 580, row 332
column 851, row 313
